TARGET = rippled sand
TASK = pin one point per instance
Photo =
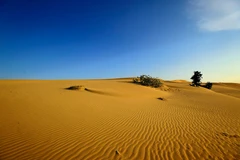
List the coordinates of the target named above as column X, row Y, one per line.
column 115, row 119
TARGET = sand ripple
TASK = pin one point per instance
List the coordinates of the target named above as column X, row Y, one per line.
column 80, row 125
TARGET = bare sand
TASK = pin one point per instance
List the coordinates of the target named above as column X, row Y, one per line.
column 116, row 119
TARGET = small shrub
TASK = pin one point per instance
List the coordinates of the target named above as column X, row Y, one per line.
column 135, row 80
column 76, row 88
column 148, row 81
column 156, row 83
column 209, row 85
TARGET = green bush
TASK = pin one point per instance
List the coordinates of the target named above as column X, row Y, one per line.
column 148, row 81
column 209, row 85
column 135, row 80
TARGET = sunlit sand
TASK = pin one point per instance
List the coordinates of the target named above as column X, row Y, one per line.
column 116, row 119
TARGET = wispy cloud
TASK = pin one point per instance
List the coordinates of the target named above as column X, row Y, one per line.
column 216, row 15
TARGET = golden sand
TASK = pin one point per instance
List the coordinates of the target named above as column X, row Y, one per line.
column 116, row 119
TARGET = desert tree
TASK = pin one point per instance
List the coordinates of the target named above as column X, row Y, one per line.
column 196, row 78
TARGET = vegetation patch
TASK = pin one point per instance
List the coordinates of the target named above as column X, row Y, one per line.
column 147, row 80
column 76, row 88
column 196, row 80
column 208, row 85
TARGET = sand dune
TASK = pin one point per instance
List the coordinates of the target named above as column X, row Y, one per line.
column 178, row 81
column 115, row 119
column 231, row 89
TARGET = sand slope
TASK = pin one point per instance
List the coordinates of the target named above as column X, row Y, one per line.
column 231, row 89
column 42, row 120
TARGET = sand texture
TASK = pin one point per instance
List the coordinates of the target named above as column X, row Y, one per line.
column 116, row 119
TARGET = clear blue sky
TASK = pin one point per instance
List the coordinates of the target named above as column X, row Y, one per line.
column 74, row 39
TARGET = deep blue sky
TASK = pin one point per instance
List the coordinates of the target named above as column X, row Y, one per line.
column 71, row 39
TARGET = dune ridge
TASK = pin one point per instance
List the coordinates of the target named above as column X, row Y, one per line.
column 40, row 120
